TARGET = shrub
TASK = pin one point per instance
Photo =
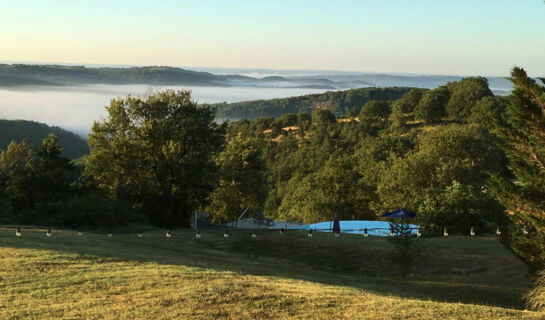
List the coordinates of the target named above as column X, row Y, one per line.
column 80, row 211
column 404, row 243
column 535, row 299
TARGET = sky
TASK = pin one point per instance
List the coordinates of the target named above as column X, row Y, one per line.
column 458, row 37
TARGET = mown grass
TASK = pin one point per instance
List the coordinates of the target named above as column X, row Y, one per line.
column 271, row 277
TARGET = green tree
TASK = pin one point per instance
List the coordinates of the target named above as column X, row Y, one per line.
column 431, row 108
column 463, row 96
column 51, row 181
column 31, row 177
column 523, row 134
column 304, row 121
column 461, row 207
column 374, row 111
column 157, row 153
column 323, row 117
column 488, row 111
column 455, row 152
column 398, row 124
column 315, row 196
column 353, row 112
column 17, row 167
column 286, row 120
column 241, row 181
column 408, row 102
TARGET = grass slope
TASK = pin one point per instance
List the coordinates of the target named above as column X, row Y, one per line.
column 271, row 277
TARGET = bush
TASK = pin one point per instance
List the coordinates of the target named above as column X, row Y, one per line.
column 89, row 211
column 535, row 299
column 404, row 243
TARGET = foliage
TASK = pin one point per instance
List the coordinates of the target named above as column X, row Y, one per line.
column 334, row 187
column 287, row 120
column 52, row 179
column 78, row 210
column 338, row 102
column 156, row 153
column 375, row 111
column 488, row 111
column 461, row 207
column 431, row 108
column 535, row 298
column 464, row 94
column 17, row 166
column 322, row 117
column 33, row 133
column 408, row 102
column 461, row 153
column 241, row 181
column 30, row 177
column 405, row 245
column 523, row 135
column 161, row 155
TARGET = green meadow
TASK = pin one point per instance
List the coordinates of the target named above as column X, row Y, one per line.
column 273, row 276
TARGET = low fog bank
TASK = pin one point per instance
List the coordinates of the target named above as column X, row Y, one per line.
column 75, row 108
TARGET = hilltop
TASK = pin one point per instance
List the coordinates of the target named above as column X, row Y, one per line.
column 60, row 75
column 34, row 132
column 338, row 102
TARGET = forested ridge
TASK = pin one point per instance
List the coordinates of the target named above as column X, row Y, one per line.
column 429, row 151
column 24, row 74
column 34, row 132
column 358, row 152
column 338, row 102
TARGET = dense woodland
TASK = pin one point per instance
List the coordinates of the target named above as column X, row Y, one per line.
column 457, row 155
column 339, row 102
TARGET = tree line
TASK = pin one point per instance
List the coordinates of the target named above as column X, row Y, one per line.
column 338, row 102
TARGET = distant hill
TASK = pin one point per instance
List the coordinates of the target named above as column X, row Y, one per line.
column 21, row 74
column 34, row 132
column 58, row 75
column 62, row 75
column 339, row 102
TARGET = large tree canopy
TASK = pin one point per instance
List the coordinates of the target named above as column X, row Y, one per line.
column 408, row 101
column 155, row 152
column 375, row 111
column 241, row 181
column 431, row 108
column 455, row 153
column 463, row 96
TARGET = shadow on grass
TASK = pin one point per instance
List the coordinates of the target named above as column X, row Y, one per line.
column 348, row 261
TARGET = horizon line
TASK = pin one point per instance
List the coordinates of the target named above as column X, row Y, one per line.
column 202, row 68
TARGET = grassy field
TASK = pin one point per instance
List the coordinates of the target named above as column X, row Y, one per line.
column 271, row 277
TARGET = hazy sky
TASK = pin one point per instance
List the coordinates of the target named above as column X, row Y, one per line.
column 460, row 37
